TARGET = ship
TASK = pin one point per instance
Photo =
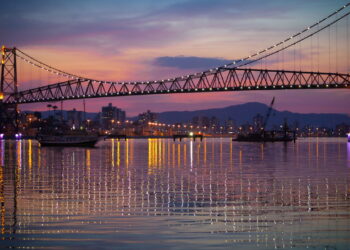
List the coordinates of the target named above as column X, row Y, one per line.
column 268, row 136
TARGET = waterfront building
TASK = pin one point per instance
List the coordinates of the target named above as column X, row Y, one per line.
column 146, row 117
column 75, row 118
column 111, row 115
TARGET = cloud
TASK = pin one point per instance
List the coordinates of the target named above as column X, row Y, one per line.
column 126, row 24
column 189, row 62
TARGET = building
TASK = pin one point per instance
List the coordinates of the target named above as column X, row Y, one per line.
column 145, row 118
column 75, row 118
column 201, row 121
column 111, row 115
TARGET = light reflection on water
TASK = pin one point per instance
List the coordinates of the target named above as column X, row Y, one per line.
column 157, row 193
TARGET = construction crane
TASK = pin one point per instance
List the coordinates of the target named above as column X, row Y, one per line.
column 268, row 113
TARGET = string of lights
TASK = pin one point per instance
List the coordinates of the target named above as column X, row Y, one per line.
column 236, row 64
column 46, row 67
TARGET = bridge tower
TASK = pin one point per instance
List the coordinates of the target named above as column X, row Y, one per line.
column 8, row 85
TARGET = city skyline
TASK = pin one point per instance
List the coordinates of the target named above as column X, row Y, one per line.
column 160, row 40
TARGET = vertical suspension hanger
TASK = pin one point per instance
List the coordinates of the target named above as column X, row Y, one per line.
column 294, row 57
column 329, row 49
column 311, row 56
column 318, row 49
column 283, row 56
column 347, row 45
column 300, row 48
column 336, row 44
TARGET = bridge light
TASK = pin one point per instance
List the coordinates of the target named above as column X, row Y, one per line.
column 1, row 96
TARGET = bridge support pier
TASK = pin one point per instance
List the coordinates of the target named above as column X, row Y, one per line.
column 9, row 122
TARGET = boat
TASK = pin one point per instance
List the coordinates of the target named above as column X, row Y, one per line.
column 268, row 136
column 264, row 137
column 68, row 140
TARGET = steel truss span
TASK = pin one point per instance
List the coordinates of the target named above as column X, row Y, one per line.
column 221, row 79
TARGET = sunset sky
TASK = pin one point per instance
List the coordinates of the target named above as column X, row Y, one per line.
column 150, row 40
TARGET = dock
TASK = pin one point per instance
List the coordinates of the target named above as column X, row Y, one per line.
column 180, row 137
column 118, row 137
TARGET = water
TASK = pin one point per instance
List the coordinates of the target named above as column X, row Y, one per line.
column 157, row 193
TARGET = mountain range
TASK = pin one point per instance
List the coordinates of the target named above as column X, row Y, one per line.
column 244, row 113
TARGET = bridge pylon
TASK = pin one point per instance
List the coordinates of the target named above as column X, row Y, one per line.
column 9, row 121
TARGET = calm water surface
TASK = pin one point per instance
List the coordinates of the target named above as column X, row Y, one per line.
column 156, row 193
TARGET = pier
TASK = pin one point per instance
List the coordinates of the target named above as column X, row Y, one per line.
column 180, row 137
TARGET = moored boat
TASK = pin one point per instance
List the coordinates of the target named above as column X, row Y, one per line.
column 68, row 140
column 258, row 137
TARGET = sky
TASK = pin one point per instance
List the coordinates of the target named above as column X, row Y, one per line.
column 150, row 40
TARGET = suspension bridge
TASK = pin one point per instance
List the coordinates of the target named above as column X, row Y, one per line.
column 317, row 57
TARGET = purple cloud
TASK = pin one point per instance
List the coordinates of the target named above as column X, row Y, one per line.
column 189, row 62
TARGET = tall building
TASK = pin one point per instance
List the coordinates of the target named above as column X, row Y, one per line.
column 202, row 121
column 75, row 118
column 111, row 115
column 146, row 117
